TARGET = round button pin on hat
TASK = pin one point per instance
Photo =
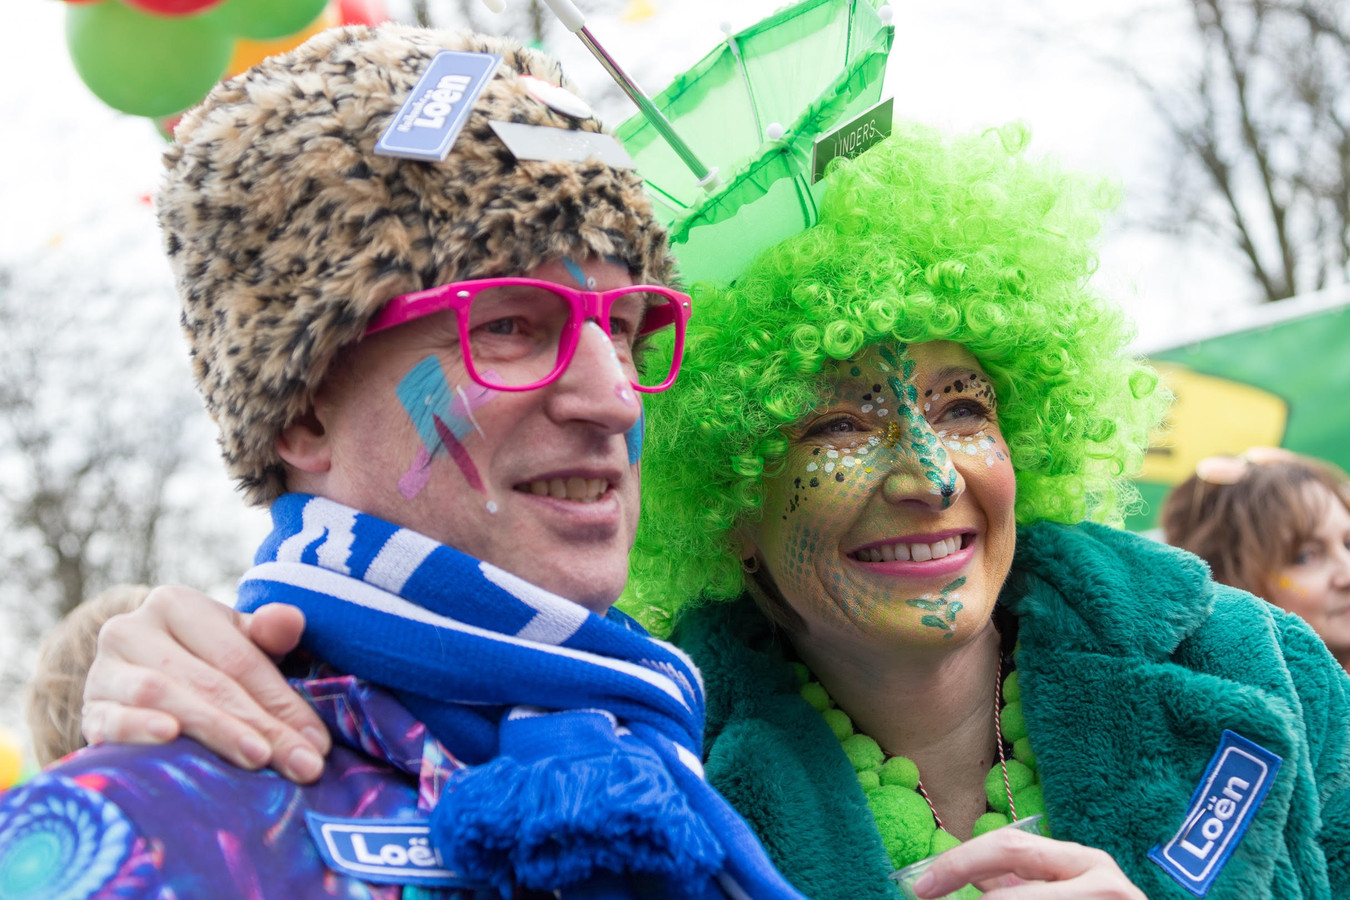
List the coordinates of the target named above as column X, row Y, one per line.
column 558, row 99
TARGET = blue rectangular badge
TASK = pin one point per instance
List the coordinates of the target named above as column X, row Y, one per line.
column 385, row 851
column 1239, row 775
column 431, row 118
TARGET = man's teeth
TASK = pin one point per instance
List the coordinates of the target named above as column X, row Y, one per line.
column 910, row 552
column 581, row 490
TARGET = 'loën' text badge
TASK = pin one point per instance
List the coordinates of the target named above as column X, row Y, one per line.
column 1239, row 775
column 434, row 113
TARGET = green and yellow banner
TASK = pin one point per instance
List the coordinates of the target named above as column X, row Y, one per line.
column 1280, row 377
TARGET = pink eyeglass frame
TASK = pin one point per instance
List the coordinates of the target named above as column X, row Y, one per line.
column 587, row 306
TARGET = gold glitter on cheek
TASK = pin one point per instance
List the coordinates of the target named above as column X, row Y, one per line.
column 893, row 434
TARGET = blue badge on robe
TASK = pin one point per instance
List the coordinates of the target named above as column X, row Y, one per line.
column 1239, row 775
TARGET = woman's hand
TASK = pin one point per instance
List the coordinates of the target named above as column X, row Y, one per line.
column 1012, row 865
column 184, row 662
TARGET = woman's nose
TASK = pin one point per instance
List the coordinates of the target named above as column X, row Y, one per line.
column 1340, row 576
column 921, row 469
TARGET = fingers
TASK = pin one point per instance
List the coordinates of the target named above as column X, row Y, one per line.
column 104, row 722
column 276, row 628
column 1007, row 859
column 187, row 657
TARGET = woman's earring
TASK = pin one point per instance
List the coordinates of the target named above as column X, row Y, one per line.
column 750, row 565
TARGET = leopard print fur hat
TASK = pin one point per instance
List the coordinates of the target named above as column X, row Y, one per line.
column 287, row 233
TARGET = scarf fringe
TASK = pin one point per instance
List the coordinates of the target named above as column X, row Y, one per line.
column 562, row 819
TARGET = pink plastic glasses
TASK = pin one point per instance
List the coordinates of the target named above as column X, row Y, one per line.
column 519, row 334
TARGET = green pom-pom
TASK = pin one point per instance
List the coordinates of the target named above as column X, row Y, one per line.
column 839, row 723
column 1023, row 753
column 988, row 822
column 814, row 694
column 1011, row 691
column 863, row 752
column 1013, row 722
column 900, row 770
column 868, row 780
column 943, row 840
column 1029, row 801
column 904, row 821
column 804, row 674
column 1019, row 776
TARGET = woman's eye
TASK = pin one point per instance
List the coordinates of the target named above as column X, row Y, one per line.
column 965, row 409
column 1306, row 556
column 833, row 426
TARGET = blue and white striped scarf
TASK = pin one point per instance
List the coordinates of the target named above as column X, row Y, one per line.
column 582, row 735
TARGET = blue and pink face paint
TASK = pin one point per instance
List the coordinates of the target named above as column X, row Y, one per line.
column 443, row 414
column 443, row 417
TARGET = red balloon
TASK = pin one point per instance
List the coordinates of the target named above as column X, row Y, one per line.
column 361, row 12
column 173, row 7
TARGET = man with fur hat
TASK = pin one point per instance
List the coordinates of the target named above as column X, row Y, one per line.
column 427, row 368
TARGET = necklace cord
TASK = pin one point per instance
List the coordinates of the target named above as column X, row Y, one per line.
column 1002, row 756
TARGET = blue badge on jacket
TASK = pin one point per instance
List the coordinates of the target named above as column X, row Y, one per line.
column 431, row 118
column 385, row 851
column 1239, row 775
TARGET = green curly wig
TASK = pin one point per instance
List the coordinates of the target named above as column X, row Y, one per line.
column 921, row 238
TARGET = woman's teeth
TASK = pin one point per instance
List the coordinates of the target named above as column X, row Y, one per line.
column 580, row 490
column 909, row 552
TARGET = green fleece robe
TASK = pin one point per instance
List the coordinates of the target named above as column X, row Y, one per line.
column 1132, row 664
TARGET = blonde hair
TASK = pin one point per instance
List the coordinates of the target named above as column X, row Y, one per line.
column 1252, row 527
column 55, row 693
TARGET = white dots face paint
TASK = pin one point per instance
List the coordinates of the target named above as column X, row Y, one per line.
column 812, row 467
column 832, row 454
column 867, row 407
column 848, row 462
column 492, row 507
column 883, row 411
column 829, row 466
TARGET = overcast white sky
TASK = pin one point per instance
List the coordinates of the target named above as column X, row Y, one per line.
column 73, row 173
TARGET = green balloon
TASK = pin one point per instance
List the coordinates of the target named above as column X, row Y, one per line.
column 265, row 20
column 143, row 64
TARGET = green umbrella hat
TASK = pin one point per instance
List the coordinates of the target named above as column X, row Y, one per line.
column 767, row 108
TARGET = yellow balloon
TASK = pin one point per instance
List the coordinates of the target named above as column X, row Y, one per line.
column 11, row 759
column 248, row 54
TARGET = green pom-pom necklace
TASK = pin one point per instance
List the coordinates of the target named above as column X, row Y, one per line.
column 910, row 827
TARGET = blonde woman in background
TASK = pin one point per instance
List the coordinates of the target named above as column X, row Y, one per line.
column 1274, row 523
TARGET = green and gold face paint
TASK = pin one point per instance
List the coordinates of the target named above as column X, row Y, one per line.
column 895, row 498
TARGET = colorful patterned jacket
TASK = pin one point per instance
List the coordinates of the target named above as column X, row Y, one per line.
column 177, row 821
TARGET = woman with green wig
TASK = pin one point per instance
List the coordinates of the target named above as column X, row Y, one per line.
column 878, row 511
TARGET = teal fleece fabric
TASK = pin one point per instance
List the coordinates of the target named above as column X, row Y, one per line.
column 1132, row 663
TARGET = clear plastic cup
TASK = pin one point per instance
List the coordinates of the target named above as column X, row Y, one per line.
column 909, row 874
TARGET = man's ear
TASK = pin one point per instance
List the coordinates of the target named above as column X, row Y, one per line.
column 304, row 444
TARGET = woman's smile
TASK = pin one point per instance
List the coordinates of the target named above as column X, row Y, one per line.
column 896, row 493
column 918, row 555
